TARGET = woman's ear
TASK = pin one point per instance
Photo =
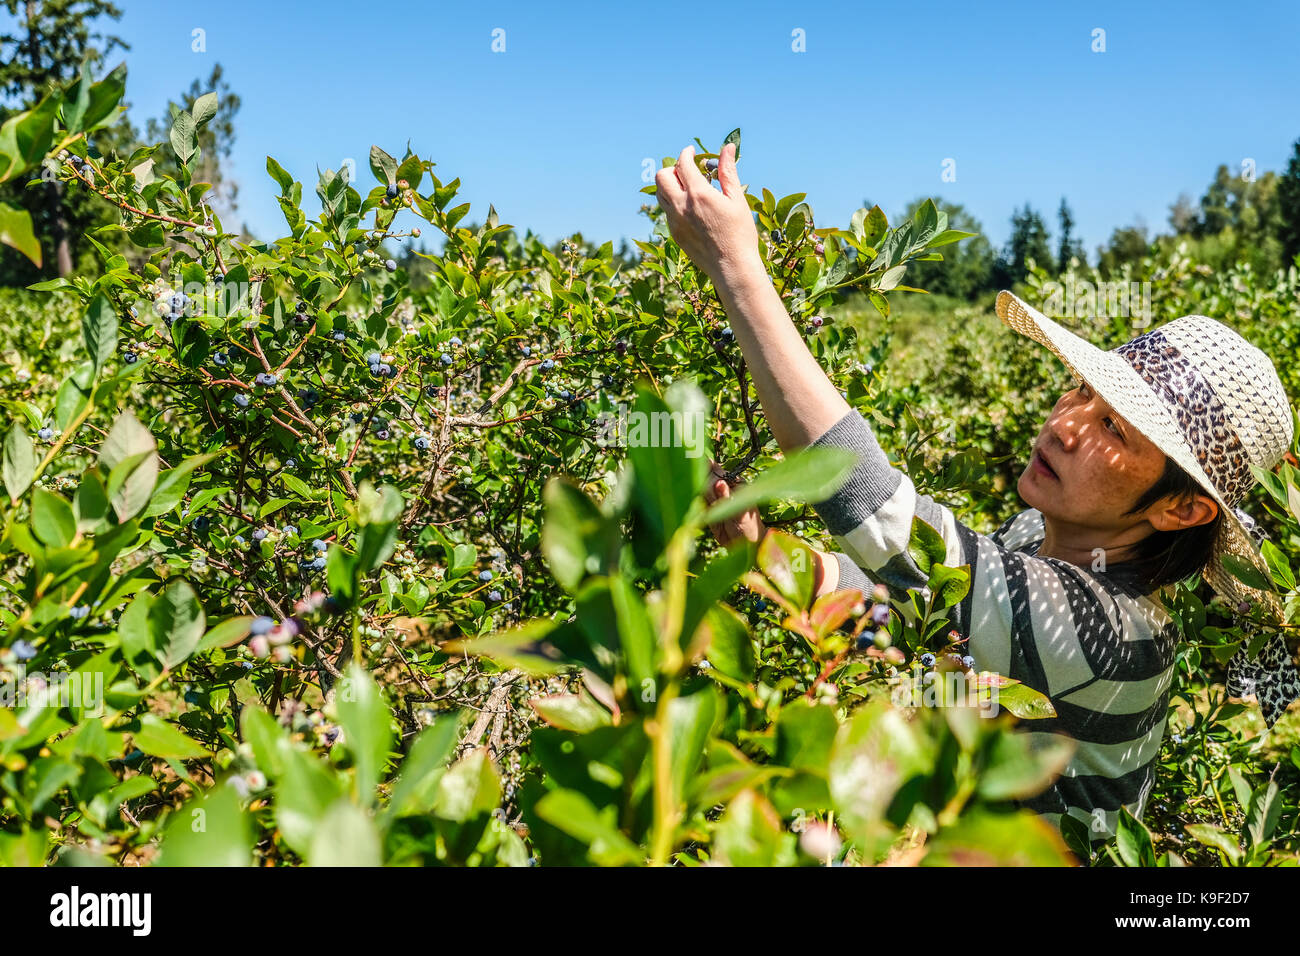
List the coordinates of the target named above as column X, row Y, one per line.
column 1189, row 513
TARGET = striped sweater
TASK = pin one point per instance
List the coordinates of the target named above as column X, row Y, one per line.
column 1098, row 647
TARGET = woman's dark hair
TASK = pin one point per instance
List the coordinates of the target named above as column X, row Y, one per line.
column 1164, row 557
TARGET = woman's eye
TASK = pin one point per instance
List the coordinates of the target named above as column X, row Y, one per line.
column 1113, row 427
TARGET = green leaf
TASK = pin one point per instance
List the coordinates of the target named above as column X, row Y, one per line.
column 926, row 546
column 1016, row 769
column 1025, row 702
column 16, row 232
column 210, row 830
column 99, row 329
column 158, row 738
column 377, row 512
column 1262, row 814
column 416, row 789
column 225, row 634
column 205, row 107
column 173, row 482
column 810, row 475
column 788, row 562
column 578, row 713
column 1133, row 840
column 19, row 463
column 382, row 165
column 570, row 811
column 577, row 539
column 637, row 638
column 1246, row 572
column 1278, row 565
column 183, row 137
column 468, row 789
column 1217, row 839
column 524, row 647
column 279, row 175
column 345, row 835
column 750, row 833
column 177, row 621
column 364, row 716
column 52, row 518
column 730, row 647
column 734, row 137
column 667, row 446
column 304, row 792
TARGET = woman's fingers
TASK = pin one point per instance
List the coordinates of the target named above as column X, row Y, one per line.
column 688, row 173
column 727, row 175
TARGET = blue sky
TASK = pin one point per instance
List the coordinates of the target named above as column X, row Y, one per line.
column 554, row 130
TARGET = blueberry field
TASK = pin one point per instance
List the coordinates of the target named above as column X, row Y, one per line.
column 383, row 540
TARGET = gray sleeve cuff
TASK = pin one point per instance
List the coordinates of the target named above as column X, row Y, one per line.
column 852, row 576
column 872, row 482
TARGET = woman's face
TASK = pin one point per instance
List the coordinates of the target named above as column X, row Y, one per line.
column 1101, row 465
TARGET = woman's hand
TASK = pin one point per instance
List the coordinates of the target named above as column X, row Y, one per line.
column 715, row 228
column 746, row 525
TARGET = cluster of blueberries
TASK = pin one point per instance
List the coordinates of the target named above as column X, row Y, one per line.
column 317, row 561
column 176, row 306
column 378, row 367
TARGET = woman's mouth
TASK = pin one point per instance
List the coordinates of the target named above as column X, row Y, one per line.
column 1042, row 468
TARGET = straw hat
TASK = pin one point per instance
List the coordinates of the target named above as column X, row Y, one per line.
column 1213, row 403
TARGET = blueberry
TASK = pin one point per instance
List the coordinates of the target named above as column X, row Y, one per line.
column 242, row 400
column 817, row 321
column 391, row 191
column 445, row 358
column 727, row 334
column 968, row 661
column 259, row 534
column 621, row 346
column 318, row 564
column 927, row 660
column 390, row 265
column 374, row 358
column 760, row 605
column 455, row 340
column 129, row 358
column 45, row 434
column 239, row 540
column 79, row 612
column 711, row 165
column 819, row 248
column 178, row 302
column 607, row 381
column 494, row 597
column 23, row 650
column 358, row 417
column 201, row 523
column 261, row 625
column 266, row 378
column 340, row 336
column 526, row 349
column 386, row 370
column 528, row 287
column 290, row 464
column 565, row 394
column 866, row 639
column 288, row 531
column 376, row 370
column 382, row 434
column 320, row 545
column 547, row 365
column 220, row 358
column 485, row 576
column 421, row 443
column 776, row 235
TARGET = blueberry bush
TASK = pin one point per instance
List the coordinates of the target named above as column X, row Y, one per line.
column 304, row 561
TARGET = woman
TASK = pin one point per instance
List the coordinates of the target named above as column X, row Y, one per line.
column 1131, row 486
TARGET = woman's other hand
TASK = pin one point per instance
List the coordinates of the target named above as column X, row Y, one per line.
column 746, row 525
